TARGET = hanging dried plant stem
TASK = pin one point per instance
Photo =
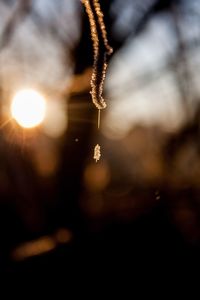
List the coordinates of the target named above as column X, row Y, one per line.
column 96, row 20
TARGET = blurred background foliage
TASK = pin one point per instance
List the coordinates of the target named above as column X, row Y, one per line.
column 142, row 200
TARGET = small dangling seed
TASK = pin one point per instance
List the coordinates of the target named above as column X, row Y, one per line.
column 97, row 152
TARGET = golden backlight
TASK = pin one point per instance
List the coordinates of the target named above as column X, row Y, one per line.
column 28, row 108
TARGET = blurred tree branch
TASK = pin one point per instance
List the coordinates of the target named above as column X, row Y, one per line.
column 20, row 12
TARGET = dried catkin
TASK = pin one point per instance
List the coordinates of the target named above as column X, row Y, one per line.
column 94, row 12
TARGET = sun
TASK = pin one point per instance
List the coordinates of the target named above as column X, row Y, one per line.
column 28, row 108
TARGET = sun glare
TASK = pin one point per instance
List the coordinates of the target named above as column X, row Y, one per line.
column 28, row 108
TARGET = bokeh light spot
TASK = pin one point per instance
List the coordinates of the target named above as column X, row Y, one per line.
column 28, row 108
